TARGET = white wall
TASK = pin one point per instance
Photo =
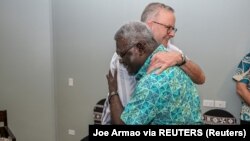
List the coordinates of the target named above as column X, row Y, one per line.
column 216, row 35
column 26, row 72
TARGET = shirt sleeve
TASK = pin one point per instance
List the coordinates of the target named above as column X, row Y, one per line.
column 242, row 73
column 172, row 47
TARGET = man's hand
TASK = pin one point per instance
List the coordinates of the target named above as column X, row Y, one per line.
column 163, row 60
column 112, row 81
column 116, row 107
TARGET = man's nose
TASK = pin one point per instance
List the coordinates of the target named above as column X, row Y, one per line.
column 171, row 33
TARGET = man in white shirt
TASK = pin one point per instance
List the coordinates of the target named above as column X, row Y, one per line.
column 161, row 20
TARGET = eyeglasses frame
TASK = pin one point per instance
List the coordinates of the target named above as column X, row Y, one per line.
column 167, row 27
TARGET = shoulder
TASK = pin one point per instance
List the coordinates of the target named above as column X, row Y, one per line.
column 162, row 79
column 172, row 47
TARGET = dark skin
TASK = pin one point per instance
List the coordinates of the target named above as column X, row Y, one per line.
column 243, row 92
column 116, row 107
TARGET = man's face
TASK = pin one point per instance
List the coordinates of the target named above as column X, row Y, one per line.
column 129, row 56
column 163, row 27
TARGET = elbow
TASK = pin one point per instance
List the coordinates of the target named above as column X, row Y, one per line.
column 201, row 80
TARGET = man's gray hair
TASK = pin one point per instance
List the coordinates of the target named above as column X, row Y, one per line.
column 135, row 32
column 152, row 10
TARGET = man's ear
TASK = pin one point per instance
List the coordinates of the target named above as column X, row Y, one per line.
column 149, row 23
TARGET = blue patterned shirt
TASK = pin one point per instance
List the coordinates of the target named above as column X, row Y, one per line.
column 243, row 75
column 169, row 98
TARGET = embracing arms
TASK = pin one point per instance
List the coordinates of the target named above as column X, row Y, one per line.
column 163, row 60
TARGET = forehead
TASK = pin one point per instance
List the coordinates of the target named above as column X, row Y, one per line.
column 166, row 17
column 121, row 45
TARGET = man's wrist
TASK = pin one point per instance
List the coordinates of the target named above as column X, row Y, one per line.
column 184, row 60
column 111, row 95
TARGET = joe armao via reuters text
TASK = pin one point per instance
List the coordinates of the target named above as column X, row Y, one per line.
column 172, row 132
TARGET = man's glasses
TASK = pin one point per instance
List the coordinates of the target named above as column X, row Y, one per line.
column 122, row 55
column 169, row 28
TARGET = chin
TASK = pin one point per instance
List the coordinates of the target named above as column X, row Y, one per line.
column 131, row 73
